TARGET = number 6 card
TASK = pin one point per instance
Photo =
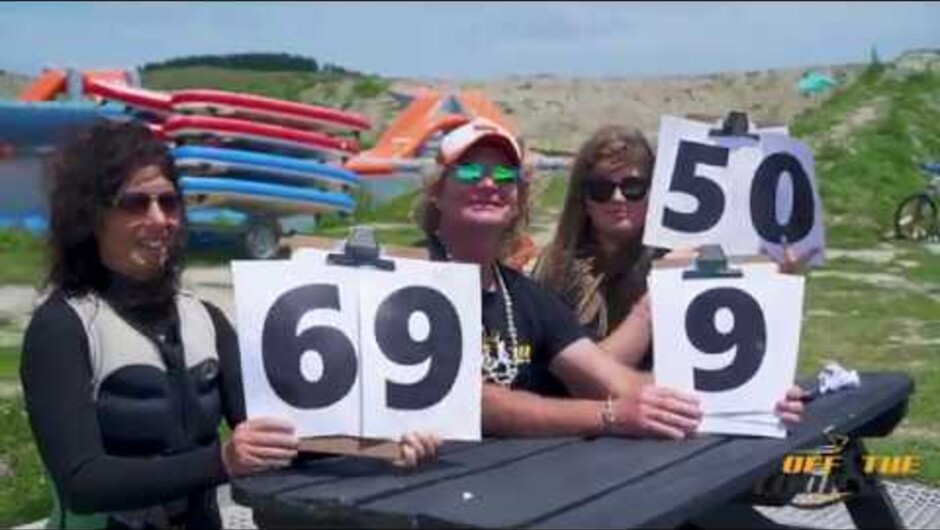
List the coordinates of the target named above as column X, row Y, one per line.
column 733, row 341
column 355, row 351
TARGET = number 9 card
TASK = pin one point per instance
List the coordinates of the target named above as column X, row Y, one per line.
column 733, row 341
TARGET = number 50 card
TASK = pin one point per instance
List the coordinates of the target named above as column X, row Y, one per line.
column 733, row 341
column 743, row 194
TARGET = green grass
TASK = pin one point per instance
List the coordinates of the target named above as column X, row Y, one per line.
column 863, row 176
column 406, row 236
column 22, row 258
column 843, row 100
column 9, row 363
column 281, row 85
column 396, row 210
column 215, row 255
column 925, row 265
column 551, row 195
column 25, row 496
column 370, row 87
column 889, row 327
column 927, row 453
column 323, row 88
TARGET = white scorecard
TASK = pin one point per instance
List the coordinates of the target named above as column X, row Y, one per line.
column 733, row 341
column 357, row 351
column 742, row 193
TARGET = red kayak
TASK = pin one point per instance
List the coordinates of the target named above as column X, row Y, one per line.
column 259, row 135
column 252, row 107
column 158, row 103
column 157, row 130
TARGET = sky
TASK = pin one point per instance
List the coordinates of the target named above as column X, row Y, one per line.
column 467, row 40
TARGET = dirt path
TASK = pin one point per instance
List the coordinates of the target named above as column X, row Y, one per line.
column 215, row 283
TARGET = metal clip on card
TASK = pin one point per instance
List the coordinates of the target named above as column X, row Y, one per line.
column 361, row 248
column 735, row 125
column 711, row 262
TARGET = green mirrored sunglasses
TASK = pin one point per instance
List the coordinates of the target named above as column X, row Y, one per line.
column 473, row 173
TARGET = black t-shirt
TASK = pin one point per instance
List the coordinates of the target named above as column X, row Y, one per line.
column 544, row 325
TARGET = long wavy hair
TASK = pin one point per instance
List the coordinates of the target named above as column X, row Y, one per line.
column 574, row 234
column 427, row 215
column 86, row 176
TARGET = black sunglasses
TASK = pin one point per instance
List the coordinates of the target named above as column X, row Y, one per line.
column 137, row 203
column 602, row 190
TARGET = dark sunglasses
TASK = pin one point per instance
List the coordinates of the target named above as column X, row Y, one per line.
column 137, row 203
column 473, row 173
column 602, row 190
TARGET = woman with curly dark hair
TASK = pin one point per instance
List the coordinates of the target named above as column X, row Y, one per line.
column 126, row 376
column 596, row 261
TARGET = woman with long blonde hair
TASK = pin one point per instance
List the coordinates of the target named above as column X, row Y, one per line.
column 596, row 260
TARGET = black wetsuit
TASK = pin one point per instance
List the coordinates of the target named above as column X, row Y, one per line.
column 151, row 436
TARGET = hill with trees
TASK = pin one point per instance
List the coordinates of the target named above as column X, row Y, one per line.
column 259, row 62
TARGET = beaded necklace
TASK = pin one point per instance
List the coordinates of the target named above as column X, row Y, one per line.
column 507, row 305
column 440, row 249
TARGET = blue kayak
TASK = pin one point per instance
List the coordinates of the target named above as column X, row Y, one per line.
column 264, row 167
column 931, row 167
column 49, row 123
column 253, row 196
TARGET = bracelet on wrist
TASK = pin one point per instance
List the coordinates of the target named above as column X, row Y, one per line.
column 608, row 418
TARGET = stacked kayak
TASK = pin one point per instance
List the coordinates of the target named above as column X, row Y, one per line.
column 158, row 104
column 263, row 157
column 258, row 108
column 263, row 183
column 262, row 137
column 214, row 161
column 256, row 123
column 239, row 193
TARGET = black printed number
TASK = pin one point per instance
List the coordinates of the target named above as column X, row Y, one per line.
column 283, row 347
column 442, row 345
column 763, row 196
column 711, row 200
column 748, row 336
column 764, row 199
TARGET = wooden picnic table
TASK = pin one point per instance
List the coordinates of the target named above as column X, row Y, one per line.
column 604, row 482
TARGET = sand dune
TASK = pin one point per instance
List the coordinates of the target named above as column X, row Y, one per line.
column 557, row 113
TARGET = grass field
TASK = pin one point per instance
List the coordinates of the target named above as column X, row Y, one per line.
column 867, row 142
column 22, row 258
column 867, row 318
column 25, row 494
column 9, row 363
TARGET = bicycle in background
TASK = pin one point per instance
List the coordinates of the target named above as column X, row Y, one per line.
column 916, row 216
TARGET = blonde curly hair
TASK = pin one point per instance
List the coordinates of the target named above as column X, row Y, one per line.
column 427, row 216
